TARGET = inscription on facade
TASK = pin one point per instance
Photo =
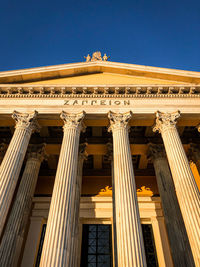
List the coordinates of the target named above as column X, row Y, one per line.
column 98, row 102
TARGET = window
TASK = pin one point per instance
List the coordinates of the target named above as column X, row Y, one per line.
column 149, row 245
column 96, row 246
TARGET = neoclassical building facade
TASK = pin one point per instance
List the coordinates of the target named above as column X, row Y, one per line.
column 100, row 166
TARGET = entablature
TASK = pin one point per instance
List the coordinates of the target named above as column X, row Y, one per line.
column 91, row 91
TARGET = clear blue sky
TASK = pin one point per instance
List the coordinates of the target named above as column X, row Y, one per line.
column 159, row 33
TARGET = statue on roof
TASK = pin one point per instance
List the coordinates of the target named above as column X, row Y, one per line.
column 96, row 56
column 88, row 58
column 105, row 57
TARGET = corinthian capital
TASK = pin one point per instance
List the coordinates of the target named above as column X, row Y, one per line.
column 155, row 152
column 119, row 120
column 165, row 120
column 37, row 151
column 26, row 120
column 73, row 120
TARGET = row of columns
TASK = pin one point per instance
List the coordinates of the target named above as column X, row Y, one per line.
column 12, row 162
column 180, row 247
column 60, row 244
column 186, row 189
column 13, row 236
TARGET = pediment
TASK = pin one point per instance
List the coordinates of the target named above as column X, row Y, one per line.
column 105, row 79
column 99, row 72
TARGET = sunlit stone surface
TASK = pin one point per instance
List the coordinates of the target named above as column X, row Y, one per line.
column 186, row 188
column 96, row 192
column 130, row 247
column 13, row 236
column 181, row 251
column 57, row 243
column 11, row 165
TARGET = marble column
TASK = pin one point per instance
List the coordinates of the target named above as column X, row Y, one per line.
column 130, row 247
column 2, row 151
column 13, row 236
column 109, row 158
column 186, row 189
column 74, row 258
column 58, row 237
column 11, row 165
column 180, row 247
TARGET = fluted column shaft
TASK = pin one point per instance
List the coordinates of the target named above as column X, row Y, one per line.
column 186, row 189
column 13, row 159
column 130, row 247
column 13, row 236
column 180, row 247
column 109, row 158
column 58, row 237
column 74, row 258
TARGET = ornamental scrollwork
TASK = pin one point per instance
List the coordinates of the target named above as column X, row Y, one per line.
column 119, row 120
column 73, row 120
column 107, row 191
column 165, row 120
column 143, row 190
column 26, row 120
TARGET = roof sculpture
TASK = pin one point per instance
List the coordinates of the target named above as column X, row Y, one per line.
column 96, row 56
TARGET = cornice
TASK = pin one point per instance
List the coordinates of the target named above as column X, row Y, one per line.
column 102, row 64
column 89, row 91
column 73, row 69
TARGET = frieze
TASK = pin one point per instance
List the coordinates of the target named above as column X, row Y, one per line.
column 118, row 91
